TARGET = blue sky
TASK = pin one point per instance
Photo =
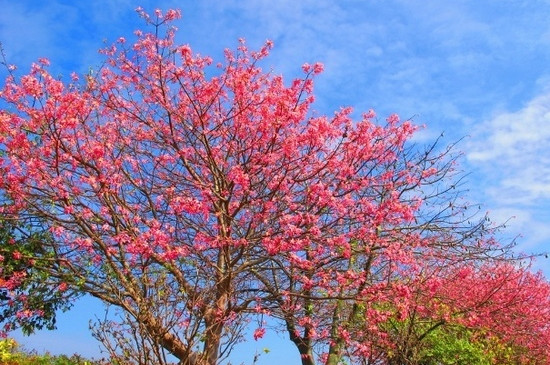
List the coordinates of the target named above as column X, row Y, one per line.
column 474, row 69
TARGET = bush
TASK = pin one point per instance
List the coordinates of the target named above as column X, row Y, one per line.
column 10, row 354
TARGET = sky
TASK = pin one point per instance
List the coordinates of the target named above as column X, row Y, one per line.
column 476, row 71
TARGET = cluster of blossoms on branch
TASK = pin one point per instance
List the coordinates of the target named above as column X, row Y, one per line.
column 196, row 204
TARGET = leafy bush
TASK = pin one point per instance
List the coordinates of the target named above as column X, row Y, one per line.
column 10, row 354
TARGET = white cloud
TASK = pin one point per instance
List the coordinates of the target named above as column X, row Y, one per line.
column 514, row 148
column 511, row 156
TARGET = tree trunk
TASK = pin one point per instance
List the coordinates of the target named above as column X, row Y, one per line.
column 215, row 323
column 212, row 343
column 335, row 349
column 303, row 344
column 170, row 342
column 306, row 355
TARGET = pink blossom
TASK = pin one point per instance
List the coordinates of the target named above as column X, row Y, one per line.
column 172, row 14
column 62, row 287
column 318, row 68
column 44, row 61
column 259, row 333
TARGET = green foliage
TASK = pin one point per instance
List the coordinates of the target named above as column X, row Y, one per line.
column 453, row 346
column 439, row 343
column 7, row 347
column 11, row 355
column 26, row 253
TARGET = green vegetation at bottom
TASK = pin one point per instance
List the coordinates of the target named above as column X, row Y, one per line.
column 11, row 354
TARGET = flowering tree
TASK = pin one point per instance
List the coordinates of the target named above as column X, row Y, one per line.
column 25, row 285
column 193, row 203
column 336, row 300
column 494, row 313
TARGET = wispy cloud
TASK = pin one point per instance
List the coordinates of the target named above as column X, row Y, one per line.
column 514, row 148
column 510, row 155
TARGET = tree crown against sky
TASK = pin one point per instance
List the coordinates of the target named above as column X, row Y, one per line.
column 196, row 199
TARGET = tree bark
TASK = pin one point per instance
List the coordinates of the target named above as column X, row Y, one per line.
column 303, row 344
column 335, row 349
